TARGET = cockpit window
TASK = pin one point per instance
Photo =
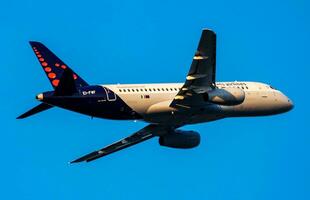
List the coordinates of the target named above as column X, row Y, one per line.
column 272, row 87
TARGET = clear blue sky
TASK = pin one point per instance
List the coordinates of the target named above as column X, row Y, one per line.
column 142, row 41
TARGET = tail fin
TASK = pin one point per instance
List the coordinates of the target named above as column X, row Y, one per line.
column 54, row 67
column 63, row 79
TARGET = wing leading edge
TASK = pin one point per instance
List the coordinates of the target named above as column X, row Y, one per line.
column 144, row 134
column 201, row 76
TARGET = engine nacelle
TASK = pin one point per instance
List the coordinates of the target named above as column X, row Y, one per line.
column 180, row 139
column 227, row 96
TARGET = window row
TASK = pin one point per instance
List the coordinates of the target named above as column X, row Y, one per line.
column 148, row 89
column 240, row 87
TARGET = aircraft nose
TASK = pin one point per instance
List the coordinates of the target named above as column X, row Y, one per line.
column 287, row 103
column 290, row 104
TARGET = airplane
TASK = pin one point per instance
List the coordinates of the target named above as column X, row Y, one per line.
column 166, row 107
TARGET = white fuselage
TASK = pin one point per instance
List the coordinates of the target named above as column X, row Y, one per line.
column 152, row 101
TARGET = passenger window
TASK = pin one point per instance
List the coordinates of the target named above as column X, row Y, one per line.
column 137, row 90
column 133, row 90
column 120, row 90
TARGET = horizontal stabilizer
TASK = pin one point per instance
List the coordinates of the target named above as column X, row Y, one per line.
column 41, row 107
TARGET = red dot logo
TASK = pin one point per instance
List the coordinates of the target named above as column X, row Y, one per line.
column 57, row 64
column 55, row 82
column 44, row 64
column 47, row 69
column 41, row 59
column 51, row 75
column 74, row 76
column 63, row 66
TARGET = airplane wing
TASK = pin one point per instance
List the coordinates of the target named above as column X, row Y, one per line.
column 140, row 136
column 201, row 76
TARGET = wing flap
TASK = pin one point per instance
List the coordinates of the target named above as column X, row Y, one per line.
column 195, row 76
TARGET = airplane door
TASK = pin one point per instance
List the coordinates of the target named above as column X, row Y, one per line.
column 110, row 94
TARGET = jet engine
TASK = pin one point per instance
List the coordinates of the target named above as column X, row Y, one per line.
column 227, row 96
column 180, row 139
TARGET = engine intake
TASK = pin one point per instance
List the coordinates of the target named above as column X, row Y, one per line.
column 180, row 139
column 227, row 96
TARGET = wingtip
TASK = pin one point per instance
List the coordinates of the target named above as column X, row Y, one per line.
column 208, row 30
column 20, row 117
column 77, row 161
column 72, row 162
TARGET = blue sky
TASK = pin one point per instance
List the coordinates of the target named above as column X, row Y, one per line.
column 143, row 41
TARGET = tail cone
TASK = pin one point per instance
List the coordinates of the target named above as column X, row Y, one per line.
column 39, row 97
